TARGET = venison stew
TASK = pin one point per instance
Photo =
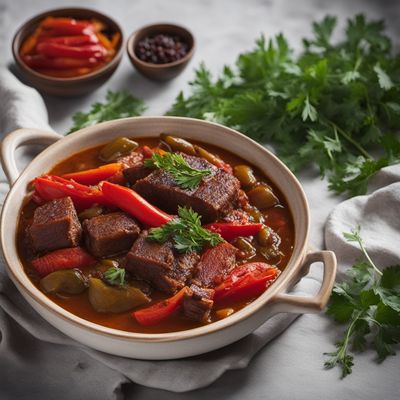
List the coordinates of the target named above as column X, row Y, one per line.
column 154, row 235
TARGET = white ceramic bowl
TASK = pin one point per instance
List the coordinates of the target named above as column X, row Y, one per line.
column 175, row 344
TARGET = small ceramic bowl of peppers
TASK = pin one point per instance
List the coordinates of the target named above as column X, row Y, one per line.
column 160, row 51
column 68, row 51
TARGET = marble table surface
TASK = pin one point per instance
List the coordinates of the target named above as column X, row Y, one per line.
column 224, row 28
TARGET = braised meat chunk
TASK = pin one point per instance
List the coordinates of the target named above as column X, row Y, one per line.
column 136, row 172
column 133, row 168
column 214, row 265
column 55, row 226
column 158, row 264
column 216, row 195
column 110, row 234
column 132, row 159
column 198, row 303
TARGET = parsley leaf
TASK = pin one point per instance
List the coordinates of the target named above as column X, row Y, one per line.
column 333, row 105
column 383, row 78
column 173, row 163
column 115, row 276
column 369, row 302
column 186, row 232
column 117, row 105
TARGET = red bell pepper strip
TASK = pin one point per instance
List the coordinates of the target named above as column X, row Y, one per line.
column 132, row 203
column 77, row 40
column 67, row 26
column 30, row 43
column 37, row 199
column 60, row 50
column 40, row 61
column 231, row 230
column 74, row 257
column 246, row 282
column 148, row 152
column 225, row 166
column 50, row 187
column 160, row 311
column 104, row 40
column 95, row 175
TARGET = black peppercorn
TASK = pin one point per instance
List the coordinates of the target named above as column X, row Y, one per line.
column 161, row 49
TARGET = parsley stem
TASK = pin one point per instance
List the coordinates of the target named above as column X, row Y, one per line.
column 349, row 332
column 351, row 140
column 364, row 250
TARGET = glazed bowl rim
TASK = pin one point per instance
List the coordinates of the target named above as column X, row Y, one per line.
column 25, row 284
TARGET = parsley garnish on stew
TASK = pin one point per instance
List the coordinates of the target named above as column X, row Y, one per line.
column 335, row 105
column 184, row 175
column 115, row 276
column 186, row 232
column 368, row 301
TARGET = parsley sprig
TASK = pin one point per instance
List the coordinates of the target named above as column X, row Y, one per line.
column 117, row 105
column 186, row 232
column 369, row 302
column 184, row 175
column 335, row 105
column 115, row 276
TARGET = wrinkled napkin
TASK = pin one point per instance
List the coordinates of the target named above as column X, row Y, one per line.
column 28, row 341
column 378, row 216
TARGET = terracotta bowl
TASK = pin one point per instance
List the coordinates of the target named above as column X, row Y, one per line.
column 176, row 344
column 66, row 86
column 160, row 72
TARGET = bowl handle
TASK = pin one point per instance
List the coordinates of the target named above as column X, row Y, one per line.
column 313, row 304
column 18, row 138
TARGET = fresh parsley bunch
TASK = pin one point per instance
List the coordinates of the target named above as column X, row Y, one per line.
column 333, row 105
column 368, row 301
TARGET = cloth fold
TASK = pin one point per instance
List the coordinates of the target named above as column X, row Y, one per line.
column 377, row 214
column 23, row 107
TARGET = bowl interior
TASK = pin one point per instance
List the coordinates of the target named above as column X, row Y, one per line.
column 152, row 30
column 79, row 13
column 149, row 127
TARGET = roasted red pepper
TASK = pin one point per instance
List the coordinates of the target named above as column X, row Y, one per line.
column 246, row 282
column 50, row 187
column 160, row 311
column 65, row 47
column 67, row 26
column 231, row 230
column 60, row 50
column 131, row 202
column 77, row 40
column 148, row 151
column 74, row 257
column 95, row 175
column 39, row 61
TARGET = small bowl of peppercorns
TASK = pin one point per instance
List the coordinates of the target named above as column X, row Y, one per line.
column 160, row 51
